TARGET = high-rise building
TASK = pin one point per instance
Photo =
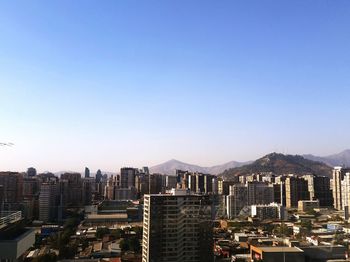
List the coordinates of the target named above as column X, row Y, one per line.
column 98, row 176
column 177, row 227
column 31, row 172
column 308, row 205
column 270, row 211
column 87, row 172
column 170, row 181
column 236, row 200
column 279, row 190
column 31, row 190
column 127, row 177
column 88, row 189
column 345, row 191
column 338, row 176
column 48, row 201
column 110, row 187
column 125, row 193
column 145, row 170
column 2, row 199
column 12, row 183
column 319, row 188
column 224, row 186
column 31, row 186
column 260, row 193
column 215, row 184
column 73, row 190
column 252, row 193
column 152, row 183
column 296, row 189
column 197, row 182
column 156, row 184
column 311, row 185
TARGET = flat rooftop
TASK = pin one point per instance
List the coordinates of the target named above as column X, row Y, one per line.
column 107, row 216
column 9, row 217
column 279, row 249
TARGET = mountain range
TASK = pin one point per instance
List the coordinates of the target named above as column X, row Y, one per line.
column 340, row 159
column 280, row 164
column 169, row 167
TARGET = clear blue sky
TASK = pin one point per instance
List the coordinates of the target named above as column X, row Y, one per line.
column 111, row 83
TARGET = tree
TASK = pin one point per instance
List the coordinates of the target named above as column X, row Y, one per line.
column 307, row 225
column 312, row 212
column 282, row 230
column 117, row 233
column 130, row 244
column 51, row 257
column 102, row 231
column 71, row 223
column 138, row 231
column 124, row 245
column 134, row 244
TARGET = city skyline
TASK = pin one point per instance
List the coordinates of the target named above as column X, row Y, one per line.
column 134, row 84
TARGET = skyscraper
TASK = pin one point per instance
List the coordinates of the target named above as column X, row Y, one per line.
column 260, row 193
column 296, row 189
column 338, row 176
column 73, row 190
column 12, row 183
column 196, row 182
column 87, row 172
column 177, row 228
column 319, row 188
column 48, row 201
column 236, row 200
column 127, row 176
column 31, row 172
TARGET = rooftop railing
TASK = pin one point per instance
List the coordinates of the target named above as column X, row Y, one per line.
column 8, row 217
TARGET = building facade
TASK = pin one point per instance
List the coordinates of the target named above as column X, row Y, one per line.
column 296, row 189
column 178, row 228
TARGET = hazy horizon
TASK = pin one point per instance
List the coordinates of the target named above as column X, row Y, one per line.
column 137, row 83
column 117, row 169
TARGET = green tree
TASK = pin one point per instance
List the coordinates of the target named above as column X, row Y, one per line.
column 282, row 230
column 307, row 225
column 117, row 233
column 124, row 245
column 102, row 231
column 134, row 244
column 138, row 231
column 68, row 251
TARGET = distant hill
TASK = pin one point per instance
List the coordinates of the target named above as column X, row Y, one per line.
column 280, row 164
column 170, row 166
column 340, row 159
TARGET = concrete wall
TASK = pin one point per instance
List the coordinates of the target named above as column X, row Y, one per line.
column 12, row 249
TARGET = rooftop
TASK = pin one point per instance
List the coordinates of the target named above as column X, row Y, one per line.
column 9, row 217
column 279, row 249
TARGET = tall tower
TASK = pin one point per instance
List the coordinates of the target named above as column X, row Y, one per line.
column 296, row 189
column 87, row 172
column 177, row 227
column 47, row 201
column 98, row 176
column 336, row 185
column 31, row 172
column 236, row 200
column 127, row 176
